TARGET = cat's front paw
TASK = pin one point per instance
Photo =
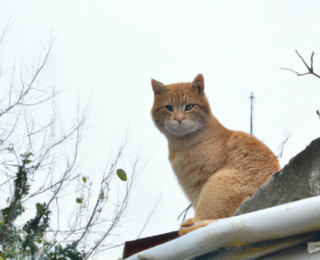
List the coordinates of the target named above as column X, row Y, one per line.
column 190, row 225
column 188, row 222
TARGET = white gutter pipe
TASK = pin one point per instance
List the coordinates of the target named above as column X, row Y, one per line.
column 277, row 222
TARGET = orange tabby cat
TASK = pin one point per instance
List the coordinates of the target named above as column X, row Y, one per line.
column 217, row 168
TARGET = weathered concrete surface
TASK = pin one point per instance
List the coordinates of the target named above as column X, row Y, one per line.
column 299, row 179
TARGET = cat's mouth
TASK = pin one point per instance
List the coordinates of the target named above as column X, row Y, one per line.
column 181, row 128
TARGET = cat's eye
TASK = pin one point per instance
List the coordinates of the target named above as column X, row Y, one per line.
column 189, row 107
column 169, row 108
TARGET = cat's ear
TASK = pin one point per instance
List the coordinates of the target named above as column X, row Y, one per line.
column 198, row 84
column 158, row 87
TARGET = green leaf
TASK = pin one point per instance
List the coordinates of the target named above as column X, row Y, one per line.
column 84, row 179
column 79, row 200
column 122, row 175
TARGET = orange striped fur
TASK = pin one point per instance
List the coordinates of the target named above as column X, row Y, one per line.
column 217, row 168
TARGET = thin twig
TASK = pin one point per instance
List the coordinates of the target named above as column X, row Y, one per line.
column 185, row 213
column 281, row 146
column 6, row 28
column 150, row 215
column 310, row 69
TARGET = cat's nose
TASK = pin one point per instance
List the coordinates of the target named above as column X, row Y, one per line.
column 179, row 119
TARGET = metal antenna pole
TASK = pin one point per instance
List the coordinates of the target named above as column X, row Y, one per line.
column 251, row 100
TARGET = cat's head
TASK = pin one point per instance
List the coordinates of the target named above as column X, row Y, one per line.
column 180, row 109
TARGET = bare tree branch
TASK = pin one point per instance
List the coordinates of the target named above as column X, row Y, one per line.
column 120, row 208
column 6, row 28
column 31, row 123
column 281, row 146
column 310, row 69
column 104, row 184
column 23, row 99
column 150, row 216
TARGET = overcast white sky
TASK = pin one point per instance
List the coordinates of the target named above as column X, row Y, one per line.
column 111, row 50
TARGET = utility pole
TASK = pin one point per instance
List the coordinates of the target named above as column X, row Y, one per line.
column 251, row 100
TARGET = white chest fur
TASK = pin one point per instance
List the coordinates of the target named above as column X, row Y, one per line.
column 185, row 176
